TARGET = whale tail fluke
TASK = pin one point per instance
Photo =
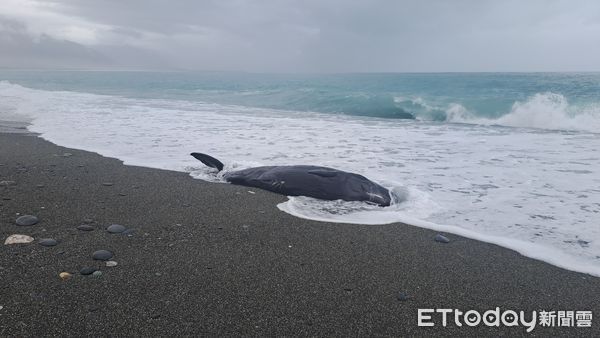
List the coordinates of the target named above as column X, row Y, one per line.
column 208, row 160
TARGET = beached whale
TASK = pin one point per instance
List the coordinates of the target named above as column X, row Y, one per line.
column 305, row 180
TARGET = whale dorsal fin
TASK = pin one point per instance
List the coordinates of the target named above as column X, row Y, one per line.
column 208, row 160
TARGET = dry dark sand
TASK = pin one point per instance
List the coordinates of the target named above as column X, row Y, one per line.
column 213, row 259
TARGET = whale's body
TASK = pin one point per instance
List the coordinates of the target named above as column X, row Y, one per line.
column 305, row 180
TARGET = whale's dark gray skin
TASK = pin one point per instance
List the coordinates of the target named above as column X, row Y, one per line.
column 305, row 180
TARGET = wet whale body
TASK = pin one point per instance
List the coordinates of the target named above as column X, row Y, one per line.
column 305, row 180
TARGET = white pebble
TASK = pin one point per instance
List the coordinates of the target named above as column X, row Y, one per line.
column 18, row 239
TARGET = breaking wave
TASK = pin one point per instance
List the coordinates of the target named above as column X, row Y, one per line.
column 549, row 110
column 542, row 110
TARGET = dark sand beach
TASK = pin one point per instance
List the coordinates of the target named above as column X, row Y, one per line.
column 215, row 260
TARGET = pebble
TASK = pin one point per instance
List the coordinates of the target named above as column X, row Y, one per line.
column 64, row 275
column 441, row 238
column 27, row 220
column 87, row 271
column 18, row 239
column 67, row 155
column 40, row 185
column 102, row 255
column 85, row 227
column 116, row 229
column 128, row 232
column 111, row 263
column 97, row 273
column 107, row 184
column 403, row 296
column 48, row 242
column 7, row 183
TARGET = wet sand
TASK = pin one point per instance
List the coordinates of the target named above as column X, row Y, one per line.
column 213, row 259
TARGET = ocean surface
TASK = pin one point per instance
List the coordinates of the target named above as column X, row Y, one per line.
column 507, row 158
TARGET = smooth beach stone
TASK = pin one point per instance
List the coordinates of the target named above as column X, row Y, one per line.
column 403, row 296
column 111, row 263
column 97, row 273
column 85, row 227
column 18, row 239
column 87, row 271
column 441, row 238
column 116, row 229
column 48, row 242
column 102, row 255
column 64, row 275
column 27, row 220
column 107, row 184
column 128, row 232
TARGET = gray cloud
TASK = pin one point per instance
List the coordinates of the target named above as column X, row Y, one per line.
column 21, row 50
column 312, row 35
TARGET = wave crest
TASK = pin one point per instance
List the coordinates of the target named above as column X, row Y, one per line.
column 547, row 110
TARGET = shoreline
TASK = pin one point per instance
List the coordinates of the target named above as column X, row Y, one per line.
column 535, row 251
column 210, row 258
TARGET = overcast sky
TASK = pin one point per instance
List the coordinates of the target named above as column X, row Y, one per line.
column 302, row 36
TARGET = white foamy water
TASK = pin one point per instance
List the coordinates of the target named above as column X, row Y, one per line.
column 543, row 111
column 532, row 190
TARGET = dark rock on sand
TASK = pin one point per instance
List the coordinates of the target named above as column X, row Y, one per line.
column 85, row 227
column 441, row 238
column 48, row 242
column 116, row 229
column 402, row 296
column 102, row 255
column 27, row 220
column 128, row 232
column 87, row 271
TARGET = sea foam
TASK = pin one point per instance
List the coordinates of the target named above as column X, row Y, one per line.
column 542, row 111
